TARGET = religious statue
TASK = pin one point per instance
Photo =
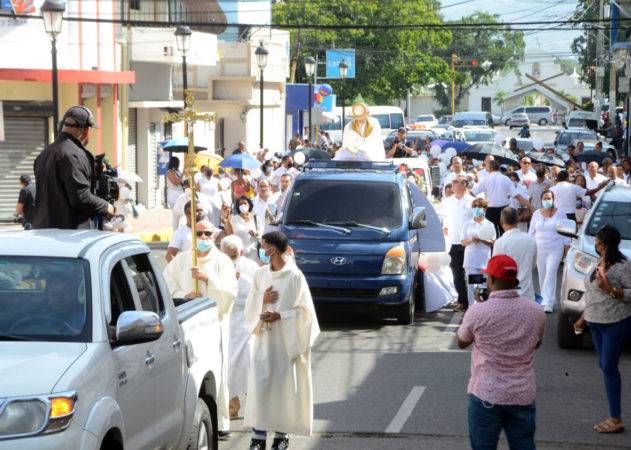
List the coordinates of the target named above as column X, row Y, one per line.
column 362, row 139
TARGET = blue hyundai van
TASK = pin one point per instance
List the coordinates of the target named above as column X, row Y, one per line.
column 357, row 229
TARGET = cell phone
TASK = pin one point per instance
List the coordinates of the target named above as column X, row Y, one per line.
column 477, row 278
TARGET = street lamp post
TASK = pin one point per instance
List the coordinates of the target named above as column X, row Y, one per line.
column 310, row 68
column 343, row 72
column 53, row 16
column 261, row 60
column 183, row 41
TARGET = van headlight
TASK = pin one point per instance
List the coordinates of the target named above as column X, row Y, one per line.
column 395, row 262
column 20, row 417
column 584, row 263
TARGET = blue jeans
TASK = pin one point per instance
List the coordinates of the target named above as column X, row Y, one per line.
column 487, row 420
column 608, row 339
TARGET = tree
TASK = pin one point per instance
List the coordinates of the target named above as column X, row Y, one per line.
column 567, row 65
column 388, row 62
column 500, row 99
column 497, row 50
column 528, row 100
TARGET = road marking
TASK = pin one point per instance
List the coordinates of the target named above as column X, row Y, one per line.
column 453, row 324
column 406, row 409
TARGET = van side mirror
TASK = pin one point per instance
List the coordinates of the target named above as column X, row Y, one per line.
column 135, row 327
column 567, row 228
column 418, row 218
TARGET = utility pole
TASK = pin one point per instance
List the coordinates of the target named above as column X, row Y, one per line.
column 600, row 61
column 454, row 59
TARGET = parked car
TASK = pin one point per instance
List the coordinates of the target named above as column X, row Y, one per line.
column 472, row 118
column 414, row 136
column 566, row 137
column 353, row 254
column 518, row 120
column 94, row 353
column 423, row 121
column 477, row 135
column 613, row 207
column 444, row 121
column 541, row 115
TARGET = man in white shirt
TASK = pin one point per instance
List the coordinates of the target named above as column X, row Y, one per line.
column 456, row 170
column 456, row 212
column 286, row 164
column 593, row 178
column 526, row 173
column 182, row 237
column 626, row 171
column 566, row 193
column 264, row 206
column 485, row 171
column 521, row 247
column 538, row 187
column 285, row 182
column 498, row 189
column 209, row 183
column 178, row 209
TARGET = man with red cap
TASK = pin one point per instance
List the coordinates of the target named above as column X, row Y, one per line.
column 505, row 331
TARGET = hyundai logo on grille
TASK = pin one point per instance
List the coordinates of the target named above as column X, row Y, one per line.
column 338, row 261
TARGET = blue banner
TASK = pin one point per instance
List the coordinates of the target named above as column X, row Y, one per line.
column 335, row 57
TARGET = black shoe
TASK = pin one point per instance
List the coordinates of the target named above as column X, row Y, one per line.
column 223, row 435
column 280, row 444
column 257, row 444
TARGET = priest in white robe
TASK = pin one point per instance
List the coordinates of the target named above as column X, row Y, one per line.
column 280, row 315
column 362, row 139
column 217, row 281
column 239, row 335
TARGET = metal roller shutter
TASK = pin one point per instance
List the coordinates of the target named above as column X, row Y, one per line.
column 131, row 154
column 24, row 139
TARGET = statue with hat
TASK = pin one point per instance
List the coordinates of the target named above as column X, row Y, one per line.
column 362, row 139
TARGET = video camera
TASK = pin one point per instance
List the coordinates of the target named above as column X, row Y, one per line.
column 481, row 289
column 106, row 184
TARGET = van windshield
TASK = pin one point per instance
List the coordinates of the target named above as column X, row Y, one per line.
column 334, row 201
column 384, row 120
column 44, row 299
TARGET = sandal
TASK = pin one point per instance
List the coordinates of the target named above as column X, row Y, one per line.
column 609, row 427
column 459, row 308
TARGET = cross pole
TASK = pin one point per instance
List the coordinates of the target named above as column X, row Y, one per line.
column 189, row 116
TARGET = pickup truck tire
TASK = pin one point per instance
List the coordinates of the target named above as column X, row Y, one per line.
column 202, row 433
column 566, row 338
column 406, row 311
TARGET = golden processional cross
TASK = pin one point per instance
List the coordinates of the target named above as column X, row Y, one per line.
column 189, row 116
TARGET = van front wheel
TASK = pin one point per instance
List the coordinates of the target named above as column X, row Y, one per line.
column 406, row 311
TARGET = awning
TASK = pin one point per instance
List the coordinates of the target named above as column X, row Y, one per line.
column 69, row 76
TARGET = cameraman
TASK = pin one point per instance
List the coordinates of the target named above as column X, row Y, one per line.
column 505, row 330
column 399, row 149
column 65, row 177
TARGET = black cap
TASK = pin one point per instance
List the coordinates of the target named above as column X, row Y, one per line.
column 402, row 130
column 25, row 179
column 79, row 117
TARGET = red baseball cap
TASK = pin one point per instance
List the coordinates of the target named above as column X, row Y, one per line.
column 502, row 266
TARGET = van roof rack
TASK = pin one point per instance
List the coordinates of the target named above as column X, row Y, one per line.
column 351, row 165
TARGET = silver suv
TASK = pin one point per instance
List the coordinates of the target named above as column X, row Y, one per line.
column 613, row 207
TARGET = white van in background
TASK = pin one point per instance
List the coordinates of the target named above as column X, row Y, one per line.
column 390, row 118
column 583, row 119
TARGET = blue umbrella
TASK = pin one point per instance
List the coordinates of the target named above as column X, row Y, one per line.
column 179, row 145
column 240, row 161
column 456, row 145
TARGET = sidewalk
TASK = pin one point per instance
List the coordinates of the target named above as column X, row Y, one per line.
column 152, row 225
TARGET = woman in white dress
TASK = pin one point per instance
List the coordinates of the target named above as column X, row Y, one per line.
column 478, row 235
column 551, row 247
column 174, row 182
column 243, row 224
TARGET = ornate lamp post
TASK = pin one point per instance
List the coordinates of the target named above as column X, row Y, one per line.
column 310, row 68
column 261, row 61
column 183, row 41
column 53, row 16
column 343, row 72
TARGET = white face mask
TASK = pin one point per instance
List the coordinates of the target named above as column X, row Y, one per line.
column 244, row 208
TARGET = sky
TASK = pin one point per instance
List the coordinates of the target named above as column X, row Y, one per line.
column 538, row 43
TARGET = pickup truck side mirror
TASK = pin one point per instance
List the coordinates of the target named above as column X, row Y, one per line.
column 567, row 228
column 135, row 327
column 418, row 218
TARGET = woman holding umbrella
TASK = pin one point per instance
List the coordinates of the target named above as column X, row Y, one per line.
column 174, row 181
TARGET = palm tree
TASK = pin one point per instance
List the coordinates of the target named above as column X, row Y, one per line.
column 500, row 99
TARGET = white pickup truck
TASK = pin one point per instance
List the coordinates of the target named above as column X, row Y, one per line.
column 93, row 352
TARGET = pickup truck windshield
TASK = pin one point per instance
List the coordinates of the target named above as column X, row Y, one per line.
column 611, row 213
column 44, row 299
column 336, row 202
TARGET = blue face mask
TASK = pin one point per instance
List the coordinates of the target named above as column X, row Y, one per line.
column 478, row 212
column 203, row 246
column 263, row 257
column 547, row 204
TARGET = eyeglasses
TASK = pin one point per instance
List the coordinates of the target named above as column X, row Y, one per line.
column 203, row 233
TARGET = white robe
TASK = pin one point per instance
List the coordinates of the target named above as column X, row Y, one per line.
column 239, row 334
column 280, row 393
column 356, row 147
column 222, row 288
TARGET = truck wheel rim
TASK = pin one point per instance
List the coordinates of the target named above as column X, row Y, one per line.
column 202, row 437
